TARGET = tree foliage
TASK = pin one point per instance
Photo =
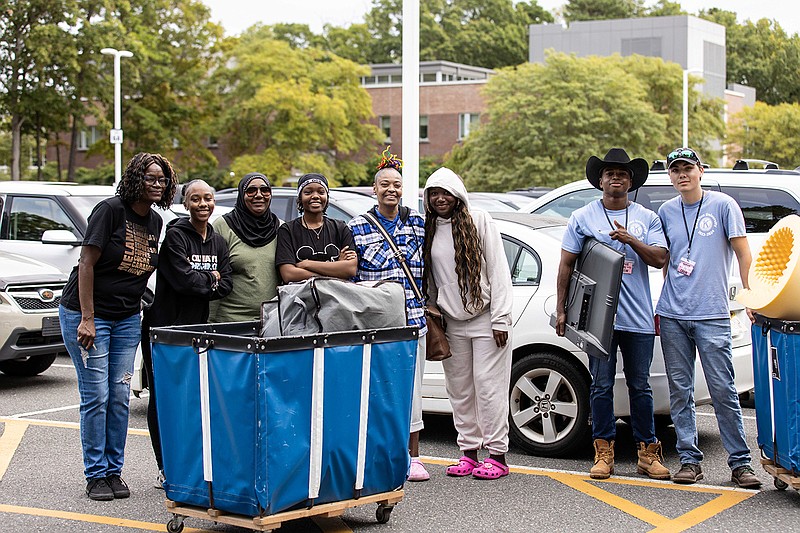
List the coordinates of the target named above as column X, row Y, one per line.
column 762, row 55
column 287, row 109
column 576, row 10
column 545, row 120
column 767, row 132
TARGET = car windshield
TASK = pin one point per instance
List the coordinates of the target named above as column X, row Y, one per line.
column 84, row 204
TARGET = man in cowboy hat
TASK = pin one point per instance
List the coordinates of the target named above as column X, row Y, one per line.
column 705, row 229
column 636, row 232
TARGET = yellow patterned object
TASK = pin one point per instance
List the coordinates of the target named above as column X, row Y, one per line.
column 775, row 275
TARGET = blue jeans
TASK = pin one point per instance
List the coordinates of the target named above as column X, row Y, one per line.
column 637, row 355
column 104, row 382
column 712, row 339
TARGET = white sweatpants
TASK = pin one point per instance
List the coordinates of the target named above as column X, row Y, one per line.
column 477, row 378
column 416, row 397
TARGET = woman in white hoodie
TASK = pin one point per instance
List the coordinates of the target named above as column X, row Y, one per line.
column 467, row 278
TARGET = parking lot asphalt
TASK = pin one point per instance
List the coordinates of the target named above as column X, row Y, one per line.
column 42, row 489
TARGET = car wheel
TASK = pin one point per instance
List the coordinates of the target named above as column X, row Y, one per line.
column 27, row 367
column 549, row 405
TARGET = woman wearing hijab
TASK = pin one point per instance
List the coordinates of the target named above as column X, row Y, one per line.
column 467, row 278
column 250, row 231
column 313, row 244
column 193, row 269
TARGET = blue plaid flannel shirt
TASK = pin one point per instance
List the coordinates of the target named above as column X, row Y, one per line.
column 376, row 261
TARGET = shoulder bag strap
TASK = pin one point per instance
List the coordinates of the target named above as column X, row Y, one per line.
column 397, row 254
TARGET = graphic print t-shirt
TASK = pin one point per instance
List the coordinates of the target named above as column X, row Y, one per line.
column 297, row 243
column 129, row 254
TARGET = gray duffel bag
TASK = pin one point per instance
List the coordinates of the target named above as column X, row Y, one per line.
column 331, row 304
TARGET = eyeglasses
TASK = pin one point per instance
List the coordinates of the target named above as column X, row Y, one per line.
column 252, row 191
column 683, row 152
column 152, row 180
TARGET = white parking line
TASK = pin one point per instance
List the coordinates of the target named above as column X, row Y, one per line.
column 59, row 409
column 60, row 365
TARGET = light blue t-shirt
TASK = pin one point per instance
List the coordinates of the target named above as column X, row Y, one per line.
column 703, row 295
column 635, row 308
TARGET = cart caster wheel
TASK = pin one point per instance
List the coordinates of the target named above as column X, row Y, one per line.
column 780, row 484
column 382, row 513
column 175, row 525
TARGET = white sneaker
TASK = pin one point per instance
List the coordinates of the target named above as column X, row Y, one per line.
column 159, row 482
column 417, row 471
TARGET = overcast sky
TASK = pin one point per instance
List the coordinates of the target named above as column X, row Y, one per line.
column 236, row 15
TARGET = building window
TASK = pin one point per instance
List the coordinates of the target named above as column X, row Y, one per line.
column 423, row 127
column 386, row 128
column 428, row 77
column 644, row 46
column 213, row 142
column 383, row 80
column 467, row 122
column 87, row 137
column 396, row 78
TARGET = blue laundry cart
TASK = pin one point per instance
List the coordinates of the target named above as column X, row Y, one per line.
column 776, row 369
column 259, row 428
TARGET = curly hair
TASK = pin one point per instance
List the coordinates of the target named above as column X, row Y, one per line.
column 131, row 186
column 468, row 253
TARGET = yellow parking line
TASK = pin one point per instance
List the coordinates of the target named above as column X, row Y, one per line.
column 9, row 442
column 626, row 506
column 90, row 518
column 704, row 512
column 63, row 425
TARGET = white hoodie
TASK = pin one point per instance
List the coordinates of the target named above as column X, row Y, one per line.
column 443, row 289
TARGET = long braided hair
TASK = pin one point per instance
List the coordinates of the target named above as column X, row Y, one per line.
column 468, row 253
column 131, row 186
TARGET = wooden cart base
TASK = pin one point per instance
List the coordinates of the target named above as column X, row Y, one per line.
column 385, row 500
column 783, row 478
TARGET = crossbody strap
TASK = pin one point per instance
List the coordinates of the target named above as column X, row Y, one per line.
column 397, row 254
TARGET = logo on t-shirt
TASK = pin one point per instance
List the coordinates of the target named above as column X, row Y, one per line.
column 637, row 229
column 706, row 225
column 330, row 253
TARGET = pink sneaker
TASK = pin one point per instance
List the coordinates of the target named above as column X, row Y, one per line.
column 417, row 471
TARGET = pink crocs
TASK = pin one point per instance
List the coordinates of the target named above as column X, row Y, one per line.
column 490, row 469
column 417, row 471
column 464, row 467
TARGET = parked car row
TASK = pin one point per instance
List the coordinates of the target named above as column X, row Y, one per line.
column 550, row 380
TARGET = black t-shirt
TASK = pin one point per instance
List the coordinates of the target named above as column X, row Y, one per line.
column 128, row 255
column 296, row 242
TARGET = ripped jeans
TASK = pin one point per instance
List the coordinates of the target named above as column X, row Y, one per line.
column 104, row 381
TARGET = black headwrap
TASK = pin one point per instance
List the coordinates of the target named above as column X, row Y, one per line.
column 254, row 231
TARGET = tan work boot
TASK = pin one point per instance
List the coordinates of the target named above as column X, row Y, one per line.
column 603, row 459
column 651, row 461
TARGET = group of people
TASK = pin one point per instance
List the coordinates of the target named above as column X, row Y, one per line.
column 453, row 257
column 222, row 272
column 693, row 238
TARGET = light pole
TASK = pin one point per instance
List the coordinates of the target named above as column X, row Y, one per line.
column 686, row 104
column 115, row 136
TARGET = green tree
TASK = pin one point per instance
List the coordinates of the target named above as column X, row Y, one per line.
column 288, row 109
column 32, row 33
column 762, row 55
column 767, row 132
column 665, row 8
column 544, row 120
column 576, row 10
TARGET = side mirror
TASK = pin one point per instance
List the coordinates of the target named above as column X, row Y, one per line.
column 60, row 236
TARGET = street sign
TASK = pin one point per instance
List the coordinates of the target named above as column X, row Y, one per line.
column 115, row 136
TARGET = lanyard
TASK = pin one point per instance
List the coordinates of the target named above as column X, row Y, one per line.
column 694, row 227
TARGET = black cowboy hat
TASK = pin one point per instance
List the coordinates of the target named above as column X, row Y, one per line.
column 617, row 157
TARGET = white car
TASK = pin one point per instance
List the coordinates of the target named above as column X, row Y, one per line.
column 549, row 394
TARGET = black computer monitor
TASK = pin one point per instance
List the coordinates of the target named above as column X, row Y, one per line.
column 592, row 298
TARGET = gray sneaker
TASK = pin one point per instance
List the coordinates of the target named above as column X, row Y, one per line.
column 160, row 479
column 688, row 474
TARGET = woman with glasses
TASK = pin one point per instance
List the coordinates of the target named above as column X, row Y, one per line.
column 250, row 231
column 99, row 313
column 193, row 270
column 313, row 244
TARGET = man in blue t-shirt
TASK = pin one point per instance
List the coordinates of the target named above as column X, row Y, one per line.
column 704, row 229
column 636, row 232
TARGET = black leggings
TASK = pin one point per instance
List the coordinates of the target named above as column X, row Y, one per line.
column 152, row 417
